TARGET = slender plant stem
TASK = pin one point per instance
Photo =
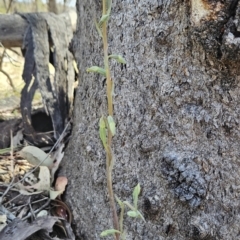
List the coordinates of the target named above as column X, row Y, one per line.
column 106, row 64
column 121, row 218
column 111, row 197
column 109, row 156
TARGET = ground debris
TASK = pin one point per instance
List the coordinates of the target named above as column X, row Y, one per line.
column 20, row 230
column 25, row 204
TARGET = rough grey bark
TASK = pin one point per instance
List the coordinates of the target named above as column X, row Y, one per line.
column 177, row 111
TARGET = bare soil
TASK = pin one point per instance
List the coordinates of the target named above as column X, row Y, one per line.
column 13, row 64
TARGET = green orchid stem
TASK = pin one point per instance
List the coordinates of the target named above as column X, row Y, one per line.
column 106, row 65
column 121, row 218
column 109, row 156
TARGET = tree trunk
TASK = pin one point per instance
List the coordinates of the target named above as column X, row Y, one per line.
column 52, row 6
column 176, row 106
column 13, row 27
column 37, row 3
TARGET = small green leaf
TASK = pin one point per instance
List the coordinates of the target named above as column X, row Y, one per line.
column 102, row 131
column 124, row 235
column 129, row 205
column 98, row 28
column 111, row 125
column 141, row 216
column 109, row 232
column 97, row 70
column 120, row 203
column 118, row 58
column 133, row 214
column 102, row 122
column 109, row 6
column 136, row 192
column 103, row 19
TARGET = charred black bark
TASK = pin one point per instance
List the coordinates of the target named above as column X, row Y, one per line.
column 41, row 42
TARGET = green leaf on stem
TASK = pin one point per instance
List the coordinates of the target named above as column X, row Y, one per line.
column 120, row 203
column 109, row 6
column 124, row 235
column 129, row 205
column 136, row 192
column 141, row 216
column 103, row 19
column 111, row 125
column 107, row 232
column 97, row 70
column 98, row 28
column 102, row 131
column 118, row 58
column 133, row 214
